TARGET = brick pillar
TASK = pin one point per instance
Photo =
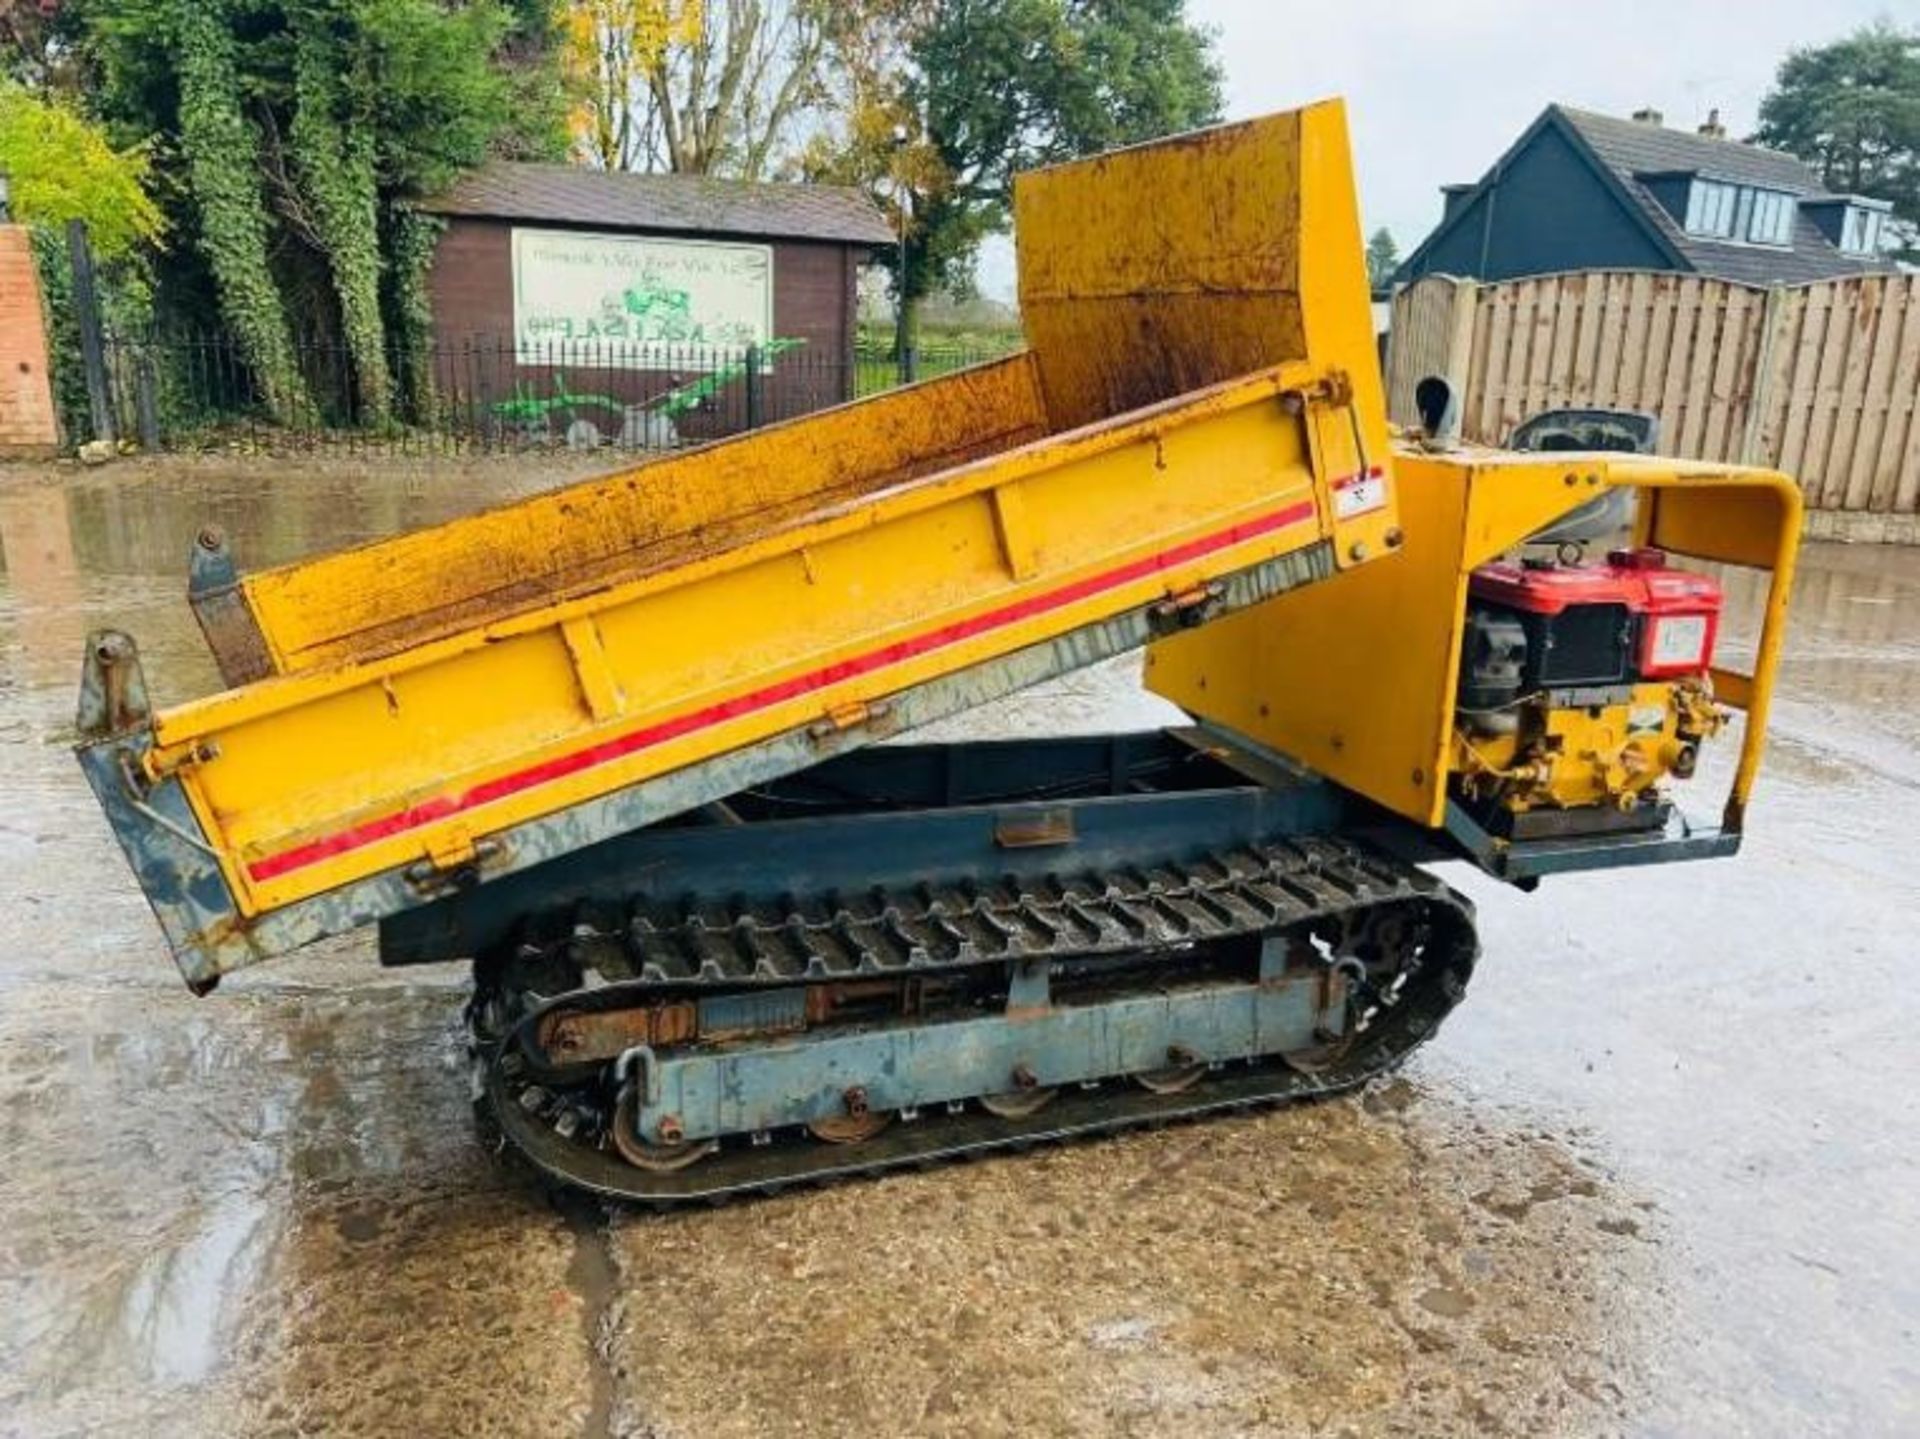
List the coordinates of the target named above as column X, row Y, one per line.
column 27, row 427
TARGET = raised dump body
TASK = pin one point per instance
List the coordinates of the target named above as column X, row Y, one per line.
column 1197, row 425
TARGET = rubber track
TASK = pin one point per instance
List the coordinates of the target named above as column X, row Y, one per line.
column 1291, row 885
column 1147, row 908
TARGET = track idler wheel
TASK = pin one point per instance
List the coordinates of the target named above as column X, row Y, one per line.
column 858, row 1124
column 846, row 1129
column 1183, row 1073
column 643, row 1154
column 1027, row 1097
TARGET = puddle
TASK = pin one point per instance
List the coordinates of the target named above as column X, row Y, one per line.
column 1325, row 1265
column 160, row 1316
column 595, row 1279
column 170, row 1321
column 1660, row 1173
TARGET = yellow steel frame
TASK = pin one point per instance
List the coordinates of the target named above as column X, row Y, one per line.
column 1356, row 677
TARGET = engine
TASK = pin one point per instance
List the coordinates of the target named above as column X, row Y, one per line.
column 1583, row 687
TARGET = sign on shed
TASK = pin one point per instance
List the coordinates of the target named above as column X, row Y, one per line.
column 568, row 300
column 651, row 302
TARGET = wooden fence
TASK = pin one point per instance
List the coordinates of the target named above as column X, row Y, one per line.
column 1820, row 381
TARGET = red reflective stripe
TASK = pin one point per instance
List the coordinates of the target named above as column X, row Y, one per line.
column 360, row 835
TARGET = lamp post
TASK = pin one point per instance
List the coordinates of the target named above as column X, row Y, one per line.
column 6, row 198
column 902, row 348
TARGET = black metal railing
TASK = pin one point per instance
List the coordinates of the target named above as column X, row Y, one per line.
column 186, row 391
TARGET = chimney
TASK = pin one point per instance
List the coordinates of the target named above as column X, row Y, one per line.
column 1648, row 116
column 1713, row 129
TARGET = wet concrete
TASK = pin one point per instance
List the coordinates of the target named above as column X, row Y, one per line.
column 1659, row 1175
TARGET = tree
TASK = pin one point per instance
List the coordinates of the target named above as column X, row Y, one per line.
column 28, row 41
column 701, row 87
column 1383, row 258
column 64, row 168
column 609, row 49
column 1007, row 85
column 986, row 88
column 295, row 132
column 219, row 141
column 333, row 143
column 1851, row 110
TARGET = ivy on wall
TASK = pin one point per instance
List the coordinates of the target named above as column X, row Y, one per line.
column 412, row 237
column 220, row 146
column 69, row 380
column 288, row 138
column 332, row 139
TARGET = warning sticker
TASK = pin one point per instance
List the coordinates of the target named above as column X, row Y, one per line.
column 1357, row 494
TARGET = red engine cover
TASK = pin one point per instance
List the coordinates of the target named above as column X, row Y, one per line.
column 1549, row 590
column 1639, row 579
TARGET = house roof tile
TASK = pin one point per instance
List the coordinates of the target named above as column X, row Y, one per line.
column 1632, row 148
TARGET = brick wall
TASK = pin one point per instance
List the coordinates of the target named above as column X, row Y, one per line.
column 27, row 425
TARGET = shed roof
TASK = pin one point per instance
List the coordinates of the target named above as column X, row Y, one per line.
column 685, row 204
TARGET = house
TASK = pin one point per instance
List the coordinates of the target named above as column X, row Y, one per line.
column 556, row 281
column 1580, row 191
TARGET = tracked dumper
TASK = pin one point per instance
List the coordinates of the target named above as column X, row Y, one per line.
column 616, row 743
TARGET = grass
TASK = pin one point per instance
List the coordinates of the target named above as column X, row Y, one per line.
column 876, row 369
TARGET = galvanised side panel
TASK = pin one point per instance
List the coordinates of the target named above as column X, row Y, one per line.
column 205, row 950
column 789, row 1082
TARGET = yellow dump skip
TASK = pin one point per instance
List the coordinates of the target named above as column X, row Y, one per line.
column 1144, row 274
column 378, row 599
column 323, row 777
column 1150, row 272
column 1196, row 427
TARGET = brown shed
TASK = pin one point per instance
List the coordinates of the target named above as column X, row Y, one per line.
column 657, row 307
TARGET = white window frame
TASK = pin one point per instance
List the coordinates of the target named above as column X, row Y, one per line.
column 1741, row 214
column 1710, row 206
column 1867, row 240
column 1771, row 222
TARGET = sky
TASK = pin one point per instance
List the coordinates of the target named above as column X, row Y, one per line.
column 1435, row 92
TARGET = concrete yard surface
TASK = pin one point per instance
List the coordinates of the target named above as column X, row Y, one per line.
column 1660, row 1175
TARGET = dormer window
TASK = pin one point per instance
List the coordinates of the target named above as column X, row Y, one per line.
column 1855, row 224
column 1717, row 210
column 1860, row 230
column 1770, row 221
column 1710, row 209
